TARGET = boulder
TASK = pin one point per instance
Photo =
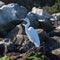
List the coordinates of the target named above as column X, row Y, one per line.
column 33, row 20
column 18, row 30
column 25, row 44
column 48, row 42
column 55, row 32
column 12, row 48
column 2, row 18
column 10, row 16
column 56, row 52
column 39, row 31
column 46, row 25
column 13, row 11
column 56, row 16
column 41, row 13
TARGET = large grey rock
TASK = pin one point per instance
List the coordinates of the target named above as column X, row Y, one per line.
column 12, row 12
column 1, row 3
column 40, row 13
column 33, row 20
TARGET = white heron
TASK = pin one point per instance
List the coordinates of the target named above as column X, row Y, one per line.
column 31, row 33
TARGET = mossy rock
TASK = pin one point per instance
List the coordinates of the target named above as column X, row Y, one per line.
column 5, row 58
column 35, row 56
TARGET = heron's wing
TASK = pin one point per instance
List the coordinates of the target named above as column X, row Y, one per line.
column 34, row 36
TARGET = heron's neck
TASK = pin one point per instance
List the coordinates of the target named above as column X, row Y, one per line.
column 27, row 25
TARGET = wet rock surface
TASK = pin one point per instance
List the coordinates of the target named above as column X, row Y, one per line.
column 2, row 49
column 12, row 12
column 10, row 16
column 11, row 27
column 17, row 37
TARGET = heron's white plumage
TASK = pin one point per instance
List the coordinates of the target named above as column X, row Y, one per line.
column 32, row 34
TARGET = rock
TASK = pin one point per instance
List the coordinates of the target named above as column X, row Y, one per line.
column 40, row 13
column 9, row 45
column 3, row 32
column 36, row 55
column 25, row 44
column 13, row 11
column 56, row 15
column 50, row 43
column 17, row 37
column 2, row 49
column 56, row 52
column 12, row 48
column 46, row 25
column 39, row 31
column 43, row 36
column 2, row 18
column 1, row 3
column 58, row 28
column 33, row 20
column 57, row 38
column 7, row 41
column 10, row 16
column 21, row 11
column 18, row 30
column 55, row 32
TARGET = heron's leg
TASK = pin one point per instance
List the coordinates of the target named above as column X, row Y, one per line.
column 31, row 49
column 38, row 48
column 34, row 48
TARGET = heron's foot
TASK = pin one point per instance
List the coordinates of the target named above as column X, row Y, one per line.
column 36, row 49
column 39, row 48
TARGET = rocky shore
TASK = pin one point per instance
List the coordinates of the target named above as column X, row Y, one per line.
column 14, row 42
